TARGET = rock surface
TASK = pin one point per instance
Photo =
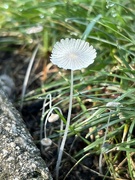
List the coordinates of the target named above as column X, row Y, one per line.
column 19, row 157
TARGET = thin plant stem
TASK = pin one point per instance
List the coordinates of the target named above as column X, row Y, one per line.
column 101, row 154
column 66, row 128
column 45, row 103
column 46, row 120
column 44, row 113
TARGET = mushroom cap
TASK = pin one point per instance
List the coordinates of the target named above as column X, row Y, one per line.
column 73, row 54
column 53, row 117
column 46, row 142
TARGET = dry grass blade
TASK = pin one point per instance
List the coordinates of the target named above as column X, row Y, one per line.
column 28, row 74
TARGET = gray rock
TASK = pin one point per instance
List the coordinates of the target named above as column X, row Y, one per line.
column 19, row 157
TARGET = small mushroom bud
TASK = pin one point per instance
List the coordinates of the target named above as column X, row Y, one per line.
column 53, row 118
column 46, row 142
column 113, row 104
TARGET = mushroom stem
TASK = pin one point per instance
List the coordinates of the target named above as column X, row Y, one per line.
column 44, row 112
column 66, row 128
column 47, row 117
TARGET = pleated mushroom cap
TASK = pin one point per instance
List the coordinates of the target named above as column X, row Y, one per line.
column 73, row 54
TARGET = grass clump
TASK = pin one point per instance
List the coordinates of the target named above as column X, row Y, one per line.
column 111, row 78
